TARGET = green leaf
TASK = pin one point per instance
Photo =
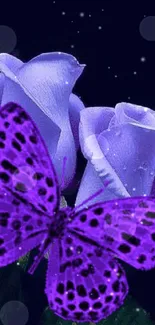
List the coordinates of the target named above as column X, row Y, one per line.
column 23, row 261
column 63, row 202
column 48, row 317
column 129, row 314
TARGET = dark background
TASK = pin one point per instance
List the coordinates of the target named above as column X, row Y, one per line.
column 118, row 47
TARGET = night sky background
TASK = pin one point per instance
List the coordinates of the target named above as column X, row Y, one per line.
column 116, row 40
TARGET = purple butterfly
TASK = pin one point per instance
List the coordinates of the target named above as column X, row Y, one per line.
column 84, row 282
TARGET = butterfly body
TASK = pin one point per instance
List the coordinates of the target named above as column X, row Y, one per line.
column 84, row 282
column 58, row 227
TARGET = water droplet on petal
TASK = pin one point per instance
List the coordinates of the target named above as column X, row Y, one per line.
column 142, row 168
column 118, row 133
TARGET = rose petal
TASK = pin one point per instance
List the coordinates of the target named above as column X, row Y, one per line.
column 92, row 121
column 43, row 86
column 132, row 155
column 2, row 78
column 75, row 106
column 131, row 113
column 90, row 184
column 10, row 61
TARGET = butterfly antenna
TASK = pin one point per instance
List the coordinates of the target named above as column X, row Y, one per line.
column 63, row 171
column 40, row 255
column 92, row 196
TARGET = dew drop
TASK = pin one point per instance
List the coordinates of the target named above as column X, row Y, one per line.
column 142, row 168
column 118, row 133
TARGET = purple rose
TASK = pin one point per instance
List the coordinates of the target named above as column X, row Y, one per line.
column 119, row 145
column 43, row 87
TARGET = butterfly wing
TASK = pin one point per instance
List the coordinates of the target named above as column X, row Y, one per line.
column 126, row 227
column 25, row 166
column 86, row 284
column 22, row 227
column 28, row 185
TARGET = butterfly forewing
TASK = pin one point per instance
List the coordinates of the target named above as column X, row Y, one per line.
column 22, row 227
column 25, row 166
column 124, row 226
column 88, row 285
column 28, row 185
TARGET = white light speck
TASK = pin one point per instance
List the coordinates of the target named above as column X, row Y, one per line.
column 137, row 309
column 18, row 263
column 100, row 27
column 116, row 75
column 59, row 52
column 72, row 46
column 102, row 9
column 63, row 13
column 54, row 2
column 109, row 280
column 109, row 67
column 20, row 248
column 78, row 32
column 129, row 97
column 135, row 72
column 145, row 109
column 89, row 15
column 134, row 189
column 82, row 14
column 143, row 59
column 72, row 21
column 66, row 82
column 66, row 292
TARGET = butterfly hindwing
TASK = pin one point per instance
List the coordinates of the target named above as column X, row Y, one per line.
column 25, row 166
column 125, row 226
column 87, row 284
